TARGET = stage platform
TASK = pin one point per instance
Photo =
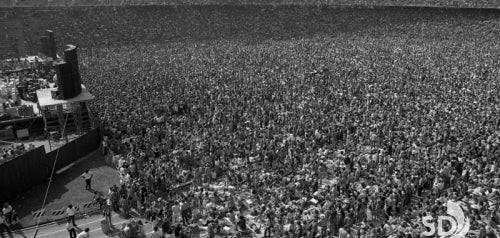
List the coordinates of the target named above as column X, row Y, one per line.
column 37, row 142
column 45, row 97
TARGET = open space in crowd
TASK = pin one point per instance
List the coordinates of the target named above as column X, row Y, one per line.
column 292, row 121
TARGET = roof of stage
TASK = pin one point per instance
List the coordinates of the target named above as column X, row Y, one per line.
column 45, row 97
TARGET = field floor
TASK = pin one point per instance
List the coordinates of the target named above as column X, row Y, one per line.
column 66, row 188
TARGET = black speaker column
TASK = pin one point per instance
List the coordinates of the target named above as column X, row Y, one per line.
column 70, row 56
column 52, row 44
column 65, row 84
column 44, row 42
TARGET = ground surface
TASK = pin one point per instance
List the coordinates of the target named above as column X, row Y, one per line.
column 58, row 230
column 66, row 188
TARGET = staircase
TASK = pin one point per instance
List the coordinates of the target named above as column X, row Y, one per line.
column 52, row 124
column 74, row 120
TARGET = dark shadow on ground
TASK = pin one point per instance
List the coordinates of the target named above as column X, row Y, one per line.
column 66, row 188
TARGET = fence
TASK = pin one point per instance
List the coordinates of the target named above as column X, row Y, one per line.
column 58, row 214
column 22, row 173
column 34, row 167
column 75, row 149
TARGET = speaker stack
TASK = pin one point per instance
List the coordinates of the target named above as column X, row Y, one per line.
column 70, row 56
column 52, row 44
column 48, row 44
column 44, row 41
column 68, row 75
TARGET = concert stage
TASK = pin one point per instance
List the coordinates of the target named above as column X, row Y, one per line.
column 45, row 97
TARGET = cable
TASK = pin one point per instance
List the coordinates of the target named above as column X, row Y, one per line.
column 51, row 175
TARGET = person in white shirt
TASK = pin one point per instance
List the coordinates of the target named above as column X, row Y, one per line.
column 121, row 162
column 84, row 234
column 3, row 224
column 71, row 230
column 7, row 212
column 88, row 177
column 70, row 212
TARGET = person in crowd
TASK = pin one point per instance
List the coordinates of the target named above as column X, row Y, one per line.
column 87, row 175
column 107, row 213
column 71, row 229
column 70, row 214
column 156, row 233
column 8, row 212
column 4, row 226
column 141, row 232
column 128, row 231
column 84, row 234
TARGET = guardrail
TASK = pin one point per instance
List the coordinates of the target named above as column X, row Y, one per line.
column 60, row 214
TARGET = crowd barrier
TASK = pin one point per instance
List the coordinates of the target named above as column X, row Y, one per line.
column 39, row 215
column 89, row 207
column 59, row 214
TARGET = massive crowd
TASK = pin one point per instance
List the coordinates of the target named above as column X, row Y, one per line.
column 420, row 3
column 320, row 136
column 347, row 131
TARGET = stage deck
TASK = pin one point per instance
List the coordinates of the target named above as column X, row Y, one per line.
column 45, row 97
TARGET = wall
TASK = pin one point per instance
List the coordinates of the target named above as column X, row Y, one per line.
column 20, row 174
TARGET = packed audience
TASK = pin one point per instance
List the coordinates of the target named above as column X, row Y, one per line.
column 90, row 27
column 315, row 137
column 282, row 128
column 420, row 3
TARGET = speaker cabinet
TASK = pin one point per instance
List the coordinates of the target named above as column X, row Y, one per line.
column 44, row 43
column 52, row 44
column 71, row 56
column 65, row 83
column 56, row 94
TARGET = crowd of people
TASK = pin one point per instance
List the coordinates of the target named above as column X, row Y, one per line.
column 420, row 3
column 296, row 122
column 10, row 152
column 88, row 27
column 327, row 135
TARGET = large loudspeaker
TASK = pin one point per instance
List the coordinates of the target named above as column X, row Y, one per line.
column 70, row 56
column 44, row 43
column 65, row 84
column 52, row 44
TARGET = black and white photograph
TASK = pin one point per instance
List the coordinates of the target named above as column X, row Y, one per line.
column 250, row 118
